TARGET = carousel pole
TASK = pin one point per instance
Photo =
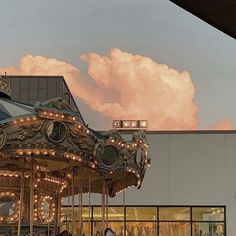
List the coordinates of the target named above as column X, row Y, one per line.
column 89, row 202
column 58, row 212
column 21, row 197
column 73, row 203
column 48, row 229
column 81, row 207
column 31, row 197
column 103, row 205
column 68, row 213
column 124, row 210
column 106, row 209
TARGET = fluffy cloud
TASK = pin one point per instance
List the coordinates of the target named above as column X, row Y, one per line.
column 224, row 125
column 128, row 86
column 125, row 86
column 38, row 65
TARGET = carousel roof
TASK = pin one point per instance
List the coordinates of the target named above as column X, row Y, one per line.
column 10, row 109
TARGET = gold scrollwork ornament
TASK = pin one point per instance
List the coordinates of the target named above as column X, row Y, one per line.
column 2, row 137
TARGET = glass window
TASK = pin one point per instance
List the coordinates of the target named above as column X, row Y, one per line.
column 97, row 213
column 86, row 228
column 174, row 213
column 64, row 226
column 97, row 228
column 141, row 228
column 86, row 216
column 66, row 214
column 208, row 229
column 114, row 213
column 208, row 214
column 143, row 221
column 117, row 227
column 141, row 213
column 174, row 228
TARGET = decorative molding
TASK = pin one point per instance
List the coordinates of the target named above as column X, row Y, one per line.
column 79, row 146
column 25, row 132
column 2, row 137
column 55, row 104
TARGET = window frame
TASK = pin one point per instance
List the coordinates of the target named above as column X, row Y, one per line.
column 158, row 220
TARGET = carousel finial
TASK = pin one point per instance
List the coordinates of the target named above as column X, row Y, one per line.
column 5, row 87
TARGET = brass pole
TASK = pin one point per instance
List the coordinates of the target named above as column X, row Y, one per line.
column 73, row 203
column 58, row 212
column 48, row 229
column 31, row 197
column 68, row 212
column 89, row 202
column 103, row 206
column 124, row 210
column 21, row 197
column 106, row 209
column 81, row 207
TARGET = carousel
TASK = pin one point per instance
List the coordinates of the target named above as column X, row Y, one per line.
column 47, row 153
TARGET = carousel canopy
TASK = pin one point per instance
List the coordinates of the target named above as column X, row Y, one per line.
column 10, row 109
column 51, row 137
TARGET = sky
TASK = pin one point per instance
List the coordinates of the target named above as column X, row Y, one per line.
column 126, row 59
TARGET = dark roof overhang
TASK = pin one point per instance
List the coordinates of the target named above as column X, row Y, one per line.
column 218, row 13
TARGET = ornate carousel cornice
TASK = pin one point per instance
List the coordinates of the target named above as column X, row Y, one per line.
column 53, row 132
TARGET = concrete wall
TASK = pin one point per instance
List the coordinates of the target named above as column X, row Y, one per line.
column 187, row 169
column 190, row 169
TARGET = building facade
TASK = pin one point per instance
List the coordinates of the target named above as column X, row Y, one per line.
column 31, row 89
column 189, row 187
column 188, row 190
column 148, row 220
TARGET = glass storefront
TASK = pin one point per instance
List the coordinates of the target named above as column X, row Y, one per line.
column 175, row 228
column 149, row 220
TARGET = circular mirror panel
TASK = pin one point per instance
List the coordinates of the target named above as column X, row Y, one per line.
column 138, row 155
column 7, row 206
column 110, row 155
column 46, row 209
column 56, row 131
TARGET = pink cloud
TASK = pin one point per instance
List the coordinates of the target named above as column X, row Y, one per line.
column 38, row 65
column 224, row 125
column 125, row 86
column 136, row 87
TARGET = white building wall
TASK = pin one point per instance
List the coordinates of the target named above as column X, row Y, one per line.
column 189, row 169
